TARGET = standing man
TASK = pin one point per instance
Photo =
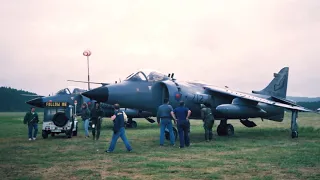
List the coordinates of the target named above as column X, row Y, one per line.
column 164, row 119
column 208, row 119
column 31, row 118
column 118, row 129
column 85, row 116
column 182, row 114
column 96, row 116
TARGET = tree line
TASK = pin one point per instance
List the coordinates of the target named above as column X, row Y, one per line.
column 11, row 100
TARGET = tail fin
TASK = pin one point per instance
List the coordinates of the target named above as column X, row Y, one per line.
column 278, row 86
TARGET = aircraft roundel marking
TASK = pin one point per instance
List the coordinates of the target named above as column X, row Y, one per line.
column 178, row 96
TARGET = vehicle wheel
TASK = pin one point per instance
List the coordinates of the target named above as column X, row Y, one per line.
column 134, row 124
column 294, row 134
column 69, row 133
column 52, row 134
column 230, row 130
column 44, row 134
column 75, row 133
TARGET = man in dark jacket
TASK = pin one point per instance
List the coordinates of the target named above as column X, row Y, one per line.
column 85, row 116
column 96, row 117
column 118, row 129
column 31, row 118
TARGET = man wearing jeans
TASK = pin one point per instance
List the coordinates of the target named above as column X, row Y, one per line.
column 85, row 116
column 118, row 129
column 164, row 119
column 182, row 115
column 31, row 118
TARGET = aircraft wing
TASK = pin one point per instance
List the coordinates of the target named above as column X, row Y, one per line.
column 256, row 99
column 32, row 95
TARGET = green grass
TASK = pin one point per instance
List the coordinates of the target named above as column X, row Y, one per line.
column 265, row 152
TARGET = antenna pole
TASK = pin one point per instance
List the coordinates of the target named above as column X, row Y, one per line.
column 88, row 73
column 87, row 53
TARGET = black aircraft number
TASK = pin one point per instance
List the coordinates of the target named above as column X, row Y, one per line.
column 198, row 98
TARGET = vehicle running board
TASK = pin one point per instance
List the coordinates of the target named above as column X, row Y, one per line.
column 247, row 123
column 150, row 120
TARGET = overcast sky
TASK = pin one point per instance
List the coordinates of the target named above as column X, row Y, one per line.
column 235, row 43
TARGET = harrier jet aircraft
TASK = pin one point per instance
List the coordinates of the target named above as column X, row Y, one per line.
column 72, row 94
column 146, row 89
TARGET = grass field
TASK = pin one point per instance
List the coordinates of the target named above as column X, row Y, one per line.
column 264, row 152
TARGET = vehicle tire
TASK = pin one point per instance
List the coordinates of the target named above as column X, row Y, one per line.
column 44, row 134
column 53, row 134
column 75, row 133
column 60, row 119
column 69, row 133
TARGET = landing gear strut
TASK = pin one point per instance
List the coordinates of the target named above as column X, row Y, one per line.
column 225, row 129
column 131, row 124
column 294, row 124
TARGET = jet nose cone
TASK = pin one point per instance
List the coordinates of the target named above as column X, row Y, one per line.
column 38, row 102
column 100, row 94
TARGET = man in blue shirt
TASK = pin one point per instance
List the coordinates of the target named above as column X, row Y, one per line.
column 164, row 119
column 182, row 115
column 118, row 129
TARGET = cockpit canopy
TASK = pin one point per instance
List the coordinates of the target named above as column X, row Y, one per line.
column 147, row 75
column 70, row 90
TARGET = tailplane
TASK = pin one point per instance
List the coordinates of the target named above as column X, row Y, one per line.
column 278, row 86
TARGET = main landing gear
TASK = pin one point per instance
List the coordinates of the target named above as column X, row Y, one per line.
column 225, row 129
column 131, row 124
column 167, row 134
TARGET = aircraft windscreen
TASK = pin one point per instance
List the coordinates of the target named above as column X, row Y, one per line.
column 147, row 75
column 63, row 91
column 156, row 76
column 139, row 76
column 76, row 90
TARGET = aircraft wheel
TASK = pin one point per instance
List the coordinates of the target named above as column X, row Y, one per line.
column 221, row 130
column 167, row 134
column 53, row 134
column 134, row 124
column 229, row 130
column 294, row 134
column 44, row 134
